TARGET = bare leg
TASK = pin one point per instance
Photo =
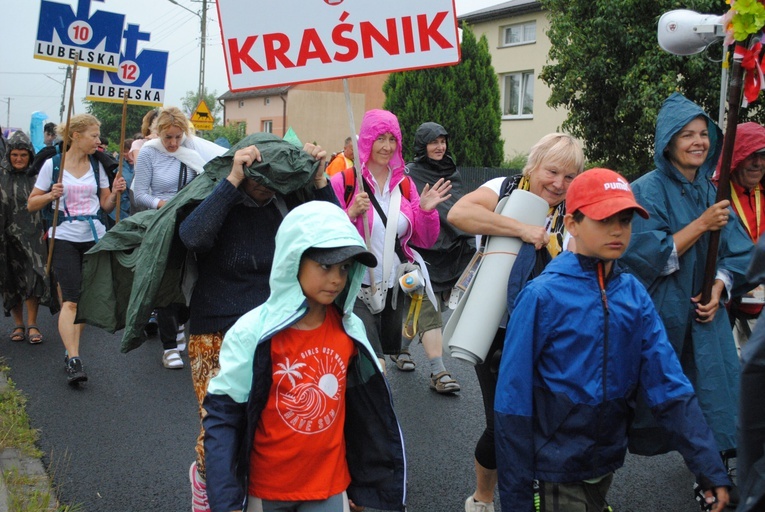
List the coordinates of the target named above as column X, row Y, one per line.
column 432, row 343
column 486, row 482
column 17, row 313
column 33, row 304
column 68, row 330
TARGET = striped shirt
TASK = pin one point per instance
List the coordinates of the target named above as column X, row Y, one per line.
column 157, row 177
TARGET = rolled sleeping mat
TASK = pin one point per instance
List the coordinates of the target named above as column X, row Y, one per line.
column 473, row 324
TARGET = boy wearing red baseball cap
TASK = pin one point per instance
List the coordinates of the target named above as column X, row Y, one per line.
column 584, row 339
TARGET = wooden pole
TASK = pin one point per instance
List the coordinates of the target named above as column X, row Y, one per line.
column 723, row 184
column 122, row 156
column 64, row 148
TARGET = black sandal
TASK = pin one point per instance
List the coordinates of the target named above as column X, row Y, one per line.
column 19, row 333
column 34, row 339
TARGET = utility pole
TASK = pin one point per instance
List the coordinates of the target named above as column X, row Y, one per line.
column 202, row 51
column 8, row 113
column 63, row 94
column 203, row 18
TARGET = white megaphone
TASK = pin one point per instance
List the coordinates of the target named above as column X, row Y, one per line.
column 684, row 32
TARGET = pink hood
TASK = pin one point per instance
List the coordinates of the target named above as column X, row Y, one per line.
column 424, row 226
column 375, row 123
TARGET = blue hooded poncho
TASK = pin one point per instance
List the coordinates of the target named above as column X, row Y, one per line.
column 706, row 350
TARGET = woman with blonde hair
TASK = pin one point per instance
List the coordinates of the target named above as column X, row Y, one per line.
column 148, row 131
column 83, row 192
column 552, row 165
column 164, row 166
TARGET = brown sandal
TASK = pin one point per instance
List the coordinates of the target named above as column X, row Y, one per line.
column 34, row 339
column 404, row 361
column 443, row 382
column 19, row 333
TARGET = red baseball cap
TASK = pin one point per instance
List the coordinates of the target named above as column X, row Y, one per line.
column 600, row 193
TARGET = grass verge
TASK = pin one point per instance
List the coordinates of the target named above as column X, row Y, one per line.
column 26, row 493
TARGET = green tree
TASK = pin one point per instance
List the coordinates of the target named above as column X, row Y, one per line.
column 463, row 98
column 607, row 69
column 233, row 133
column 191, row 100
column 110, row 115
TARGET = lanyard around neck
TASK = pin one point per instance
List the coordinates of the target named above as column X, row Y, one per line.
column 757, row 211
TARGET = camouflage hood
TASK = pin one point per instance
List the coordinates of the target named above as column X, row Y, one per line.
column 18, row 140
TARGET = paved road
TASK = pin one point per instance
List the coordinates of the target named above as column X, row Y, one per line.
column 124, row 440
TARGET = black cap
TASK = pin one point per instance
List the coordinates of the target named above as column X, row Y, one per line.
column 334, row 255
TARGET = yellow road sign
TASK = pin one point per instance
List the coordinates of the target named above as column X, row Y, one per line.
column 202, row 118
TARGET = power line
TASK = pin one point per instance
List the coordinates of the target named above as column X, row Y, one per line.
column 24, row 73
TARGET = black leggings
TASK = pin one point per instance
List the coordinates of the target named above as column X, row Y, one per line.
column 487, row 373
column 169, row 319
column 67, row 267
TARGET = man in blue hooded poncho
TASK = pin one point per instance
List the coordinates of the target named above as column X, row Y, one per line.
column 668, row 252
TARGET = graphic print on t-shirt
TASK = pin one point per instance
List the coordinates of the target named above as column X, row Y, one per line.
column 310, row 389
column 79, row 199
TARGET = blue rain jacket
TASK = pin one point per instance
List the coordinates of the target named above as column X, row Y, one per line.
column 707, row 351
column 573, row 363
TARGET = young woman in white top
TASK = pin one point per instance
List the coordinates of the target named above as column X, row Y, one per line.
column 83, row 191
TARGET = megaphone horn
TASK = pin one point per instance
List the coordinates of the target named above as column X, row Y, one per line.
column 684, row 32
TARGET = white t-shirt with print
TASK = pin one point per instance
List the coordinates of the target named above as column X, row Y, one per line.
column 80, row 198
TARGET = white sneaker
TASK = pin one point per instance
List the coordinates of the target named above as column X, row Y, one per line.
column 172, row 359
column 472, row 505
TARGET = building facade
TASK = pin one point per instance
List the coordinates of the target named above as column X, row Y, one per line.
column 316, row 111
column 518, row 44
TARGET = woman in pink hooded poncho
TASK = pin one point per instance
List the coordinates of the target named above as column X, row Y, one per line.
column 382, row 167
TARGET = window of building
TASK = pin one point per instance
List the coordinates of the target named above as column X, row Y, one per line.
column 518, row 95
column 241, row 103
column 520, row 33
column 267, row 101
column 268, row 126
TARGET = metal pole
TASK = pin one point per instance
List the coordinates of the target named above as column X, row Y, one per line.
column 723, row 89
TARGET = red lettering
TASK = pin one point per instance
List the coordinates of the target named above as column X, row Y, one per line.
column 369, row 32
column 276, row 47
column 406, row 24
column 242, row 55
column 428, row 32
column 312, row 48
column 344, row 42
